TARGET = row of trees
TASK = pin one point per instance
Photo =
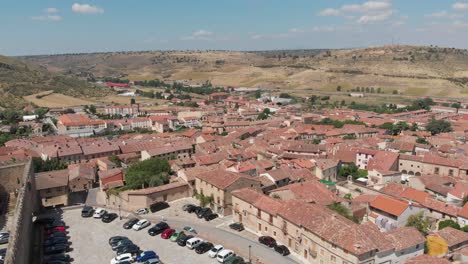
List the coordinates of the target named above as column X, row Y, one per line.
column 337, row 123
column 39, row 165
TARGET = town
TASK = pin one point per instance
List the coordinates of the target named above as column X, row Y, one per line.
column 249, row 175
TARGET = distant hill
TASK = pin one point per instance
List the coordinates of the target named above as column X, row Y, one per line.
column 411, row 70
column 18, row 79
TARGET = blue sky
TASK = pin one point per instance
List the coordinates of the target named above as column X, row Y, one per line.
column 62, row 26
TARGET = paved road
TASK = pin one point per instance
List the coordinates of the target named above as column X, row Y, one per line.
column 230, row 240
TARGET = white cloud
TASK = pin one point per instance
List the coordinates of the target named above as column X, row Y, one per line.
column 351, row 8
column 202, row 35
column 376, row 6
column 460, row 6
column 330, row 12
column 51, row 10
column 54, row 18
column 378, row 17
column 86, row 9
column 443, row 14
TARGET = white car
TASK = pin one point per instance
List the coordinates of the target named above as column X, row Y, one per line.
column 224, row 254
column 193, row 242
column 99, row 213
column 141, row 224
column 141, row 211
column 122, row 258
column 214, row 251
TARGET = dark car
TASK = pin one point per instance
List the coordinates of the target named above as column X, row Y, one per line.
column 116, row 238
column 203, row 247
column 56, row 240
column 267, row 240
column 133, row 249
column 158, row 206
column 158, row 228
column 237, row 226
column 57, row 262
column 61, row 248
column 56, row 234
column 193, row 209
column 129, row 224
column 187, row 207
column 283, row 250
column 109, row 217
column 87, row 211
column 57, row 257
column 182, row 241
column 204, row 211
column 56, row 223
column 45, row 220
column 209, row 217
column 121, row 244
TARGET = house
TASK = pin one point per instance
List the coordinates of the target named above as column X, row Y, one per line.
column 462, row 217
column 311, row 191
column 81, row 177
column 326, row 169
column 181, row 151
column 389, row 213
column 122, row 110
column 219, row 184
column 77, row 125
column 111, row 179
column 52, row 187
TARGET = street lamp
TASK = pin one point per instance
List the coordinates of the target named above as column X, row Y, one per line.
column 250, row 260
column 120, row 215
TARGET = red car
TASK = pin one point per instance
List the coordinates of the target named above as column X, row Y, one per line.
column 166, row 234
column 54, row 230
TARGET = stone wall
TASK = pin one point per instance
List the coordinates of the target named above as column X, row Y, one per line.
column 21, row 232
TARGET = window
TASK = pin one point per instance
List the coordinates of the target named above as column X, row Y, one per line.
column 259, row 227
column 59, row 189
column 47, row 191
column 450, row 172
column 417, row 246
column 401, row 164
column 259, row 213
column 266, row 229
column 436, row 170
column 274, row 233
column 333, row 259
column 271, row 219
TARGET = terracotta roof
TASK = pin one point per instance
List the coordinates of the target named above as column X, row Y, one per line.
column 394, row 189
column 464, row 211
column 365, row 198
column 452, row 236
column 311, row 192
column 51, row 179
column 259, row 200
column 425, row 259
column 405, row 237
column 222, row 179
column 389, row 205
column 415, row 195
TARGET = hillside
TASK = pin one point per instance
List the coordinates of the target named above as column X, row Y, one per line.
column 18, row 79
column 412, row 70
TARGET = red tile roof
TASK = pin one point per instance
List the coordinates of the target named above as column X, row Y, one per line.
column 222, row 179
column 389, row 205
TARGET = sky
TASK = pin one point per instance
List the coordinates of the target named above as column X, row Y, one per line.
column 31, row 27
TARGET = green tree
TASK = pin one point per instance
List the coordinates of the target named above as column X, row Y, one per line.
column 414, row 127
column 419, row 222
column 456, row 105
column 151, row 172
column 39, row 165
column 395, row 92
column 258, row 94
column 132, row 101
column 348, row 196
column 4, row 137
column 116, row 160
column 285, row 95
column 340, row 209
column 465, row 228
column 446, row 223
column 338, row 88
column 438, row 126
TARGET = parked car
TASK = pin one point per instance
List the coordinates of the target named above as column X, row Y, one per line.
column 237, row 226
column 56, row 249
column 176, row 235
column 141, row 211
column 166, row 234
column 182, row 241
column 44, row 220
column 129, row 224
column 190, row 229
column 152, row 261
column 116, row 239
column 56, row 234
column 267, row 240
column 120, row 244
column 145, row 255
column 4, row 237
column 87, row 211
column 141, row 224
column 235, row 260
column 60, row 257
column 215, row 250
column 133, row 249
column 59, row 229
column 109, row 217
column 194, row 242
column 203, row 247
column 204, row 211
column 158, row 206
column 187, row 206
column 56, row 240
column 158, row 228
column 121, row 258
column 55, row 224
column 193, row 209
column 283, row 250
column 224, row 254
column 209, row 217
column 99, row 213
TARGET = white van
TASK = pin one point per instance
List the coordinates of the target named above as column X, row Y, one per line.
column 194, row 242
column 224, row 255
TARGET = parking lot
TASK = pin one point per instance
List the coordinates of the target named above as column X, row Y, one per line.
column 89, row 238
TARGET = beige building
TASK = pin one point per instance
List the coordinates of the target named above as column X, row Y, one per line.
column 219, row 184
column 52, row 187
column 181, row 151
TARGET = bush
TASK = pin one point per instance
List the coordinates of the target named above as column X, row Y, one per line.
column 447, row 223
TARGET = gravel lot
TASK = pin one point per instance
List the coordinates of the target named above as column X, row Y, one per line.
column 89, row 238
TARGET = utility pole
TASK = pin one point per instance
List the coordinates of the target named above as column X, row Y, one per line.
column 250, row 259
